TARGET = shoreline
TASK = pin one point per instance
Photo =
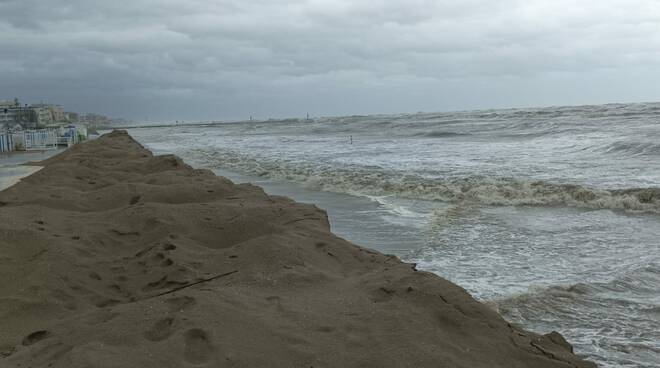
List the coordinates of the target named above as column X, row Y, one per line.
column 15, row 165
column 11, row 176
column 121, row 258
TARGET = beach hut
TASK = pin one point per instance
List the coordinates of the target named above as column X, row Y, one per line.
column 6, row 142
column 40, row 139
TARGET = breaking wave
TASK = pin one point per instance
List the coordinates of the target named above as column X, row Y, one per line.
column 637, row 286
column 633, row 148
column 488, row 190
column 619, row 316
column 442, row 134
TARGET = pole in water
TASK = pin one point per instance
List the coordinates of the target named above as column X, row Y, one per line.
column 351, row 139
column 250, row 117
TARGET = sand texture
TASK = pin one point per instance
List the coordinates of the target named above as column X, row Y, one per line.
column 113, row 257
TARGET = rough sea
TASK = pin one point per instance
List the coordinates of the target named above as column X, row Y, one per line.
column 551, row 215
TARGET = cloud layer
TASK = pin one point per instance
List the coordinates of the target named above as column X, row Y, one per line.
column 205, row 59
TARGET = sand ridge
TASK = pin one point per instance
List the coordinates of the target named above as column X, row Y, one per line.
column 113, row 257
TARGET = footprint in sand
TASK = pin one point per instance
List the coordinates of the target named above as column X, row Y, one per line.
column 198, row 346
column 35, row 337
column 178, row 304
column 161, row 330
column 134, row 200
column 169, row 247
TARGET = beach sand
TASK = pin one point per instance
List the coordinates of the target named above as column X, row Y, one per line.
column 113, row 257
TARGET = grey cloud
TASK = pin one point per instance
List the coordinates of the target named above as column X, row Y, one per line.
column 208, row 59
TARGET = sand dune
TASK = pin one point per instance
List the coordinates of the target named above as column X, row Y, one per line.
column 113, row 257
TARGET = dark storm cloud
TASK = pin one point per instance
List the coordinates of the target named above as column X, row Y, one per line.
column 215, row 59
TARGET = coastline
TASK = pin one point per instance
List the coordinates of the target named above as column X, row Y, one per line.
column 15, row 165
column 118, row 258
column 12, row 175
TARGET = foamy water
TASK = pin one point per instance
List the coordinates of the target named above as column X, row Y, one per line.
column 550, row 215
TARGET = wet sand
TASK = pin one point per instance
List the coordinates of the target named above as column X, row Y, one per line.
column 13, row 165
column 113, row 257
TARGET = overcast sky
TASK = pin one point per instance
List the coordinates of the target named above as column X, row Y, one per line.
column 221, row 59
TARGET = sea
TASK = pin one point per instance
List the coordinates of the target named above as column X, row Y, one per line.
column 550, row 215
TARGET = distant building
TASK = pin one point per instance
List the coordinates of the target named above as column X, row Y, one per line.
column 49, row 114
column 29, row 116
column 15, row 117
column 96, row 119
column 7, row 112
column 12, row 113
column 71, row 117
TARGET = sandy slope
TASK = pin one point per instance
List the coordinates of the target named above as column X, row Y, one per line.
column 112, row 257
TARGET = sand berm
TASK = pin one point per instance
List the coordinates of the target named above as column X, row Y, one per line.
column 113, row 257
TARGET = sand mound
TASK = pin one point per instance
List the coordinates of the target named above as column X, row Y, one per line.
column 113, row 257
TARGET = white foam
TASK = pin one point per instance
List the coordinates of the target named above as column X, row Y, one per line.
column 380, row 185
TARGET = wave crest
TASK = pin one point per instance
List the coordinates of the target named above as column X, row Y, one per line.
column 374, row 181
column 633, row 148
column 442, row 134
